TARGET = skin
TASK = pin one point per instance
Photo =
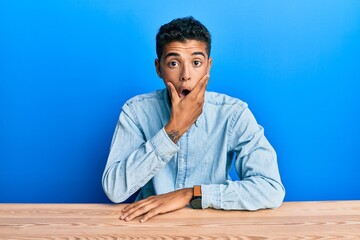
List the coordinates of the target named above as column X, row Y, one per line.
column 183, row 65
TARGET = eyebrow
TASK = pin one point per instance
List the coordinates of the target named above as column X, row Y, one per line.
column 171, row 54
column 177, row 55
column 199, row 53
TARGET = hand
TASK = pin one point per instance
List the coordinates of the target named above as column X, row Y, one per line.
column 184, row 112
column 154, row 205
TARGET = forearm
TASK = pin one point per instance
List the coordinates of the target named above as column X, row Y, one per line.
column 259, row 185
column 256, row 164
column 251, row 194
column 126, row 173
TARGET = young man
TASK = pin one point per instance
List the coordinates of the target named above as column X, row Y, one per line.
column 177, row 144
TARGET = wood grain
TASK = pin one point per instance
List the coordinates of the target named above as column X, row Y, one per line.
column 293, row 220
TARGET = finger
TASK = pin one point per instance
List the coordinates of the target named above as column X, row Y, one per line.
column 201, row 94
column 200, row 85
column 174, row 95
column 206, row 80
column 127, row 207
column 140, row 211
column 130, row 206
column 150, row 214
column 128, row 212
column 140, row 202
column 200, row 89
column 135, row 207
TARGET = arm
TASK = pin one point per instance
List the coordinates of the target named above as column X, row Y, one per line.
column 132, row 161
column 183, row 114
column 256, row 164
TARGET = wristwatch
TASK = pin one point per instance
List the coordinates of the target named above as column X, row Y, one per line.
column 196, row 199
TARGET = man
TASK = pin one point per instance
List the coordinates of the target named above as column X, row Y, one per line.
column 177, row 144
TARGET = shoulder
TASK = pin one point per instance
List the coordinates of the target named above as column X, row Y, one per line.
column 158, row 95
column 221, row 100
column 149, row 104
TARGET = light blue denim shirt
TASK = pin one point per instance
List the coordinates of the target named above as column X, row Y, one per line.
column 143, row 156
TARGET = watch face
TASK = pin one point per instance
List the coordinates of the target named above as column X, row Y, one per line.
column 196, row 203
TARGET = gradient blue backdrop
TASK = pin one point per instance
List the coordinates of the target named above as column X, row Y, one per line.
column 66, row 68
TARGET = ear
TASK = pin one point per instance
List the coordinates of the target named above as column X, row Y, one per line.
column 209, row 65
column 158, row 68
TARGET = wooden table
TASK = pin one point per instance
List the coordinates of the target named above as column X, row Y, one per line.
column 293, row 220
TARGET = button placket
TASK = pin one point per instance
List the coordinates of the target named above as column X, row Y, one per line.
column 180, row 180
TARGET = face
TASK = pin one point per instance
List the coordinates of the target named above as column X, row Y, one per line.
column 183, row 64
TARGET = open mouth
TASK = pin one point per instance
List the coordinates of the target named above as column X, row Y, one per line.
column 184, row 93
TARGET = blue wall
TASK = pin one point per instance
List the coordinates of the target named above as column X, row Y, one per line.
column 66, row 68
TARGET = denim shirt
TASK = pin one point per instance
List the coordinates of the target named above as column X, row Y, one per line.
column 143, row 156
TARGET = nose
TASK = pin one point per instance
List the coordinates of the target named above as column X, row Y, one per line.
column 185, row 74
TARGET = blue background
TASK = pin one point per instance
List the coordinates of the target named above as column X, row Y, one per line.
column 67, row 67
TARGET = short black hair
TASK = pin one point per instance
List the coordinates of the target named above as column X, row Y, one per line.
column 182, row 29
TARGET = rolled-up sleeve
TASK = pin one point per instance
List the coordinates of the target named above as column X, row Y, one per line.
column 133, row 161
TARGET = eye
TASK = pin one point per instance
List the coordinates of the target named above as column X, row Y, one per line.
column 173, row 64
column 197, row 63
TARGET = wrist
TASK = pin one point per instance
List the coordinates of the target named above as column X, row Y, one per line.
column 188, row 194
column 196, row 201
column 173, row 131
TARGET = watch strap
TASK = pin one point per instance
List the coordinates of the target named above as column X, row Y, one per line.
column 197, row 191
column 196, row 201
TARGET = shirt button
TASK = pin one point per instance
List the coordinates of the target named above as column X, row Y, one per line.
column 181, row 185
column 181, row 160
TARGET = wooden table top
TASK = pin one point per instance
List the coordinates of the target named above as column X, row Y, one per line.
column 293, row 220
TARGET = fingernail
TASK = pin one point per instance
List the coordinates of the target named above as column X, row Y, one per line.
column 122, row 217
column 142, row 220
